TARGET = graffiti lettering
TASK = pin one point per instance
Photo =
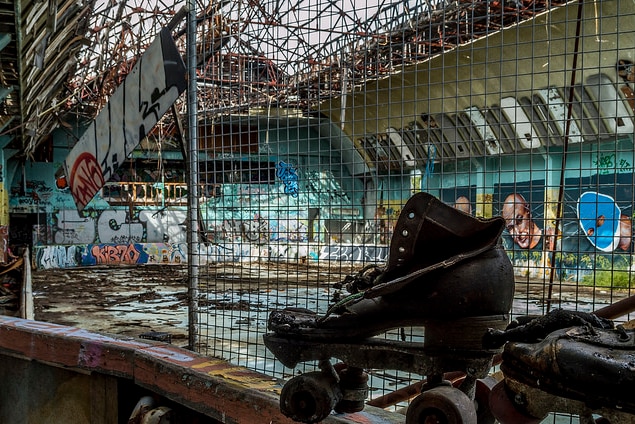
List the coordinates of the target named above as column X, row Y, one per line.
column 256, row 230
column 355, row 253
column 289, row 177
column 609, row 163
column 154, row 108
column 50, row 257
column 123, row 239
column 86, row 179
column 47, row 257
column 126, row 254
column 225, row 253
column 113, row 227
column 624, row 166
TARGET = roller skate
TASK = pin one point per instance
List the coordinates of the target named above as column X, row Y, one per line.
column 446, row 272
column 585, row 368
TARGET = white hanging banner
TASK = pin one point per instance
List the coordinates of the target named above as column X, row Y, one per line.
column 153, row 85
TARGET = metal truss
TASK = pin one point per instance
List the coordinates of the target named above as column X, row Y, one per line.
column 286, row 53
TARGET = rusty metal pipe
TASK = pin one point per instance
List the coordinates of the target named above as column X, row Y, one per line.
column 408, row 392
column 617, row 309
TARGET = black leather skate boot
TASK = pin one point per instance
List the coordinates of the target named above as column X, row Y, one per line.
column 595, row 366
column 445, row 267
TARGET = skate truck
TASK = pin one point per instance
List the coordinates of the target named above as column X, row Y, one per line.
column 446, row 272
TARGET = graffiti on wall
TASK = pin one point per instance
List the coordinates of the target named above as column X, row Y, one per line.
column 34, row 195
column 107, row 254
column 51, row 257
column 115, row 226
column 132, row 111
column 596, row 222
column 595, row 226
column 48, row 257
column 609, row 163
column 258, row 230
column 289, row 177
column 352, row 253
column 593, row 221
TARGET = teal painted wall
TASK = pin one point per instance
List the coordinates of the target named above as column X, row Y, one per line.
column 311, row 197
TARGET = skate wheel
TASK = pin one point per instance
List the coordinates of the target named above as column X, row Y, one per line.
column 442, row 404
column 484, row 387
column 504, row 409
column 310, row 397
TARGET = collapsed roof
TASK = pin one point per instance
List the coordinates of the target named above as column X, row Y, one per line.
column 69, row 57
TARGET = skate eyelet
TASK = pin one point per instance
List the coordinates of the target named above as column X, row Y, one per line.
column 404, row 233
column 623, row 335
column 411, row 215
column 402, row 249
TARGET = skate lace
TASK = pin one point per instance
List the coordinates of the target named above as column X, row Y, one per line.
column 363, row 280
column 356, row 285
column 348, row 300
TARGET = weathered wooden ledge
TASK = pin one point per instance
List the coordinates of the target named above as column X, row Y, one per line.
column 208, row 386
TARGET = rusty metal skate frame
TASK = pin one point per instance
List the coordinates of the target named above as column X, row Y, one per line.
column 529, row 405
column 381, row 353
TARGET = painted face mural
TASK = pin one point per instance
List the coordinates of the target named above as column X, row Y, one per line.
column 599, row 220
column 463, row 204
column 519, row 223
column 603, row 223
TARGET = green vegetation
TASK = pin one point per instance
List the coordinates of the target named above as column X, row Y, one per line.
column 618, row 278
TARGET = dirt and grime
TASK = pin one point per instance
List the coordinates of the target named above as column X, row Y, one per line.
column 128, row 300
column 133, row 300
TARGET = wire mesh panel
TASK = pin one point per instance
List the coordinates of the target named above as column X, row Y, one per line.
column 317, row 121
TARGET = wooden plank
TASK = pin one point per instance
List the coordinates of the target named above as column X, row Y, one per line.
column 210, row 386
